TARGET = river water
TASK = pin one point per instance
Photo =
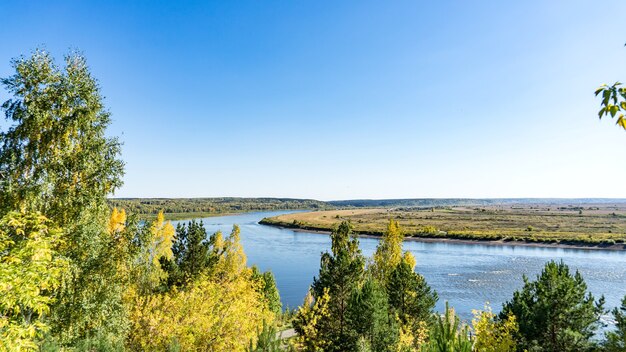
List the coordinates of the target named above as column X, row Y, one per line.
column 465, row 275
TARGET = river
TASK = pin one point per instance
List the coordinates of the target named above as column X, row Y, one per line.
column 465, row 275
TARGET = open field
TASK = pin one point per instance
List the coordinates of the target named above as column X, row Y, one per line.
column 588, row 224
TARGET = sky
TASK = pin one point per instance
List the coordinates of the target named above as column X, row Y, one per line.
column 346, row 99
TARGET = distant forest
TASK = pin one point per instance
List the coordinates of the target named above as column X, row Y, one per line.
column 443, row 202
column 179, row 207
column 185, row 207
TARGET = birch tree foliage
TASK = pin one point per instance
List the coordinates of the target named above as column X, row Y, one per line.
column 388, row 252
column 492, row 334
column 232, row 260
column 613, row 102
column 31, row 268
column 158, row 244
column 56, row 159
column 208, row 315
column 308, row 322
column 218, row 311
column 54, row 156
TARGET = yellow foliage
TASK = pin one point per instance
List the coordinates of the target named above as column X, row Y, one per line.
column 209, row 315
column 117, row 221
column 412, row 336
column 307, row 320
column 492, row 336
column 162, row 237
column 30, row 269
column 409, row 258
column 219, row 311
column 159, row 244
column 389, row 251
column 218, row 244
column 406, row 339
column 232, row 260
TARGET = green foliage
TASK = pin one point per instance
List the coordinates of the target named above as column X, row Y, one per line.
column 555, row 312
column 449, row 335
column 55, row 157
column 187, row 208
column 191, row 254
column 191, row 249
column 616, row 340
column 31, row 268
column 81, row 288
column 267, row 340
column 369, row 317
column 99, row 343
column 411, row 300
column 410, row 296
column 219, row 310
column 92, row 300
column 341, row 272
column 613, row 102
column 384, row 309
column 267, row 287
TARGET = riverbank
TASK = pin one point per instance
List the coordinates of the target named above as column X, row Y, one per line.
column 500, row 242
column 484, row 229
column 464, row 275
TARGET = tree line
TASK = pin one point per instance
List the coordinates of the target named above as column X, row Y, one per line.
column 221, row 205
column 152, row 206
column 78, row 275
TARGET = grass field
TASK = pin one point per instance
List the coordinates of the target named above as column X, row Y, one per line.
column 595, row 224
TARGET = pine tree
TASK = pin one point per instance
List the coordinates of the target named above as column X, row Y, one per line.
column 555, row 312
column 448, row 334
column 616, row 340
column 194, row 259
column 409, row 295
column 191, row 254
column 267, row 340
column 369, row 317
column 341, row 272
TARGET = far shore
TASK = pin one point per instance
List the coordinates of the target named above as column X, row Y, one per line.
column 583, row 246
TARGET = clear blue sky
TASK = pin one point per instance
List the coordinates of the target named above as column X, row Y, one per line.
column 347, row 99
